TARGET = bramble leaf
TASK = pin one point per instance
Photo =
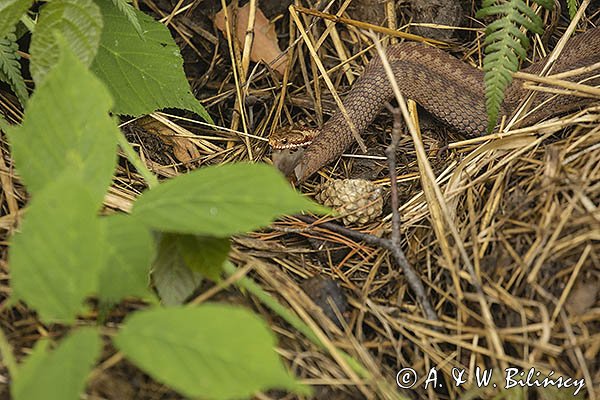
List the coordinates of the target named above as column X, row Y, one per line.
column 77, row 21
column 144, row 74
column 204, row 254
column 65, row 153
column 212, row 351
column 67, row 128
column 173, row 280
column 56, row 258
column 221, row 201
column 61, row 373
column 130, row 253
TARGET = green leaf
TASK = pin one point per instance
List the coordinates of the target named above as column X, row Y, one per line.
column 505, row 44
column 130, row 254
column 572, row 5
column 67, row 128
column 60, row 374
column 143, row 74
column 173, row 280
column 490, row 10
column 56, row 259
column 78, row 21
column 204, row 254
column 10, row 68
column 10, row 13
column 221, row 201
column 547, row 4
column 212, row 351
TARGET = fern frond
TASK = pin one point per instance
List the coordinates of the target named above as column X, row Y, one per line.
column 10, row 13
column 505, row 45
column 129, row 12
column 547, row 4
column 572, row 5
column 10, row 69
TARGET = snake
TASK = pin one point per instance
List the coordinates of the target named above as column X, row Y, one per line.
column 452, row 90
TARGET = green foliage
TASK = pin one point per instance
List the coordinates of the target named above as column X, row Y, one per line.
column 77, row 21
column 133, row 54
column 66, row 252
column 504, row 45
column 10, row 69
column 10, row 13
column 143, row 74
column 204, row 353
column 220, row 201
column 67, row 171
column 572, row 5
column 60, row 374
column 129, row 12
column 67, row 108
column 130, row 252
column 173, row 279
column 205, row 254
column 182, row 263
column 53, row 273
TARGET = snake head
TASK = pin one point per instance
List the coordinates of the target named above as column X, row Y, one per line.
column 292, row 137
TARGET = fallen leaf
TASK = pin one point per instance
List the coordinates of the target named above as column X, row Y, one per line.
column 582, row 296
column 183, row 148
column 264, row 47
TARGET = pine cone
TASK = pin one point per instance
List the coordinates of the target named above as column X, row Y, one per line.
column 357, row 200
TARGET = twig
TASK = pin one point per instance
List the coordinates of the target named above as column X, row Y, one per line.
column 411, row 276
column 364, row 25
column 441, row 202
column 413, row 279
column 390, row 153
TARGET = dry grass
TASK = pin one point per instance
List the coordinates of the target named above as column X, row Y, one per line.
column 518, row 219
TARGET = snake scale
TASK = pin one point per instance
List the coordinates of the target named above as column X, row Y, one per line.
column 451, row 90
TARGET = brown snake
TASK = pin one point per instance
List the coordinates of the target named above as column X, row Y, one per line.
column 451, row 90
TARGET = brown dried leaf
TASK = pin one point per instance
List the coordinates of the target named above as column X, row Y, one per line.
column 582, row 296
column 264, row 47
column 183, row 149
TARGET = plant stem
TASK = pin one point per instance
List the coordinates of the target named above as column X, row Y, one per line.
column 134, row 159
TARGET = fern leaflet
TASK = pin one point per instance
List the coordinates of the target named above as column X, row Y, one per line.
column 10, row 68
column 505, row 45
column 572, row 4
column 129, row 12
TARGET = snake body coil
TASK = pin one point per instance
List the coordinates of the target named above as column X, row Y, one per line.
column 448, row 88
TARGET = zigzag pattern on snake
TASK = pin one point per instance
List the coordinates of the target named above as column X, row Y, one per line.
column 448, row 88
